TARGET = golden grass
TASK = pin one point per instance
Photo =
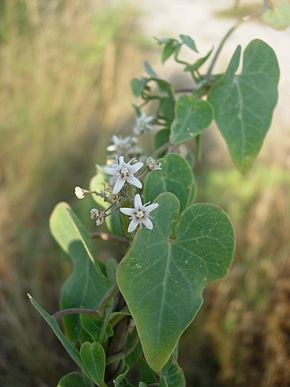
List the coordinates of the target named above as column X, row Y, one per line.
column 64, row 81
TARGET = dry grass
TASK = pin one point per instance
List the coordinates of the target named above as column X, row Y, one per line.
column 64, row 80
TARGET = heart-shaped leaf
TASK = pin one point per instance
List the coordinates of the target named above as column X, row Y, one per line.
column 244, row 103
column 94, row 361
column 175, row 176
column 163, row 275
column 191, row 117
column 87, row 284
column 74, row 379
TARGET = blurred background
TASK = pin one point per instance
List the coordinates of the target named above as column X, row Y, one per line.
column 65, row 68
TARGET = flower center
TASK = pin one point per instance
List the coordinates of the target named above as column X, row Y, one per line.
column 124, row 173
column 139, row 214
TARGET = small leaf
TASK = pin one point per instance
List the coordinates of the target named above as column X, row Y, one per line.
column 163, row 274
column 149, row 70
column 138, row 85
column 121, row 378
column 189, row 42
column 163, row 382
column 161, row 137
column 87, row 284
column 175, row 176
column 74, row 379
column 169, row 49
column 173, row 374
column 97, row 328
column 94, row 360
column 278, row 16
column 244, row 103
column 191, row 117
column 196, row 65
column 51, row 321
column 146, row 373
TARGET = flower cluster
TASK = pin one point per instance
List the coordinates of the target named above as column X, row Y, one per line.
column 126, row 177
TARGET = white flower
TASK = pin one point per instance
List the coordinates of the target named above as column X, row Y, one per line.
column 152, row 164
column 143, row 124
column 98, row 216
column 123, row 172
column 124, row 145
column 140, row 214
column 79, row 192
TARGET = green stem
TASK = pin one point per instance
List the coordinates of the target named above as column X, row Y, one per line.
column 98, row 311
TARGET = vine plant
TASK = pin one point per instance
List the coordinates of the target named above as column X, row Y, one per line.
column 119, row 316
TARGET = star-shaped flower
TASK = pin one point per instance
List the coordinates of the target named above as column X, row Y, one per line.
column 124, row 145
column 143, row 124
column 123, row 172
column 140, row 214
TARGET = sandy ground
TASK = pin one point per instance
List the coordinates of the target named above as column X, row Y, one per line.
column 197, row 18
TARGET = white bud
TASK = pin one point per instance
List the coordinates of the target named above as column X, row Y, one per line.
column 79, row 192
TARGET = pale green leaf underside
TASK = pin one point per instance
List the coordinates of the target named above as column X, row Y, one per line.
column 175, row 176
column 244, row 103
column 87, row 284
column 162, row 278
column 191, row 117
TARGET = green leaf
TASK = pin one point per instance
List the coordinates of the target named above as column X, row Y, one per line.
column 51, row 321
column 166, row 100
column 278, row 16
column 196, row 65
column 173, row 374
column 149, row 70
column 175, row 176
column 138, row 85
column 244, row 103
column 161, row 137
column 169, row 49
column 97, row 328
column 163, row 274
column 163, row 382
column 189, row 42
column 191, row 117
column 87, row 284
column 120, row 380
column 94, row 360
column 141, row 384
column 74, row 379
column 145, row 372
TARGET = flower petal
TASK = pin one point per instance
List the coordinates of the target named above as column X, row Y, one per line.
column 151, row 207
column 132, row 226
column 147, row 223
column 127, row 211
column 109, row 170
column 136, row 167
column 118, row 185
column 134, row 181
column 137, row 201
